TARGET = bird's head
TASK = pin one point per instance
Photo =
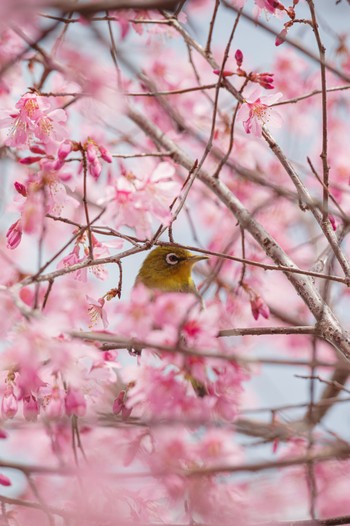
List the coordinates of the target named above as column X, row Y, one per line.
column 169, row 269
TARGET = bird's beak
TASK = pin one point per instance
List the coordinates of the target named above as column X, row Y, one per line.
column 194, row 259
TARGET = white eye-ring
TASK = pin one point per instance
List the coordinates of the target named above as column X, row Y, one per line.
column 172, row 259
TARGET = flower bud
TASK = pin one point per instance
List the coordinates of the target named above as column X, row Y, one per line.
column 14, row 235
column 5, row 481
column 259, row 308
column 332, row 222
column 29, row 160
column 224, row 73
column 281, row 37
column 37, row 150
column 91, row 153
column 239, row 57
column 64, row 150
column 106, row 156
column 20, row 188
column 95, row 169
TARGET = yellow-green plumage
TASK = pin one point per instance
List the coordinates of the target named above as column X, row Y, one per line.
column 169, row 269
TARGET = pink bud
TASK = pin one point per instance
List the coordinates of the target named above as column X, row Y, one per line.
column 75, row 402
column 95, row 169
column 266, row 77
column 106, row 156
column 332, row 222
column 110, row 356
column 259, row 308
column 281, row 37
column 9, row 405
column 64, row 150
column 29, row 160
column 20, row 188
column 37, row 150
column 30, row 408
column 291, row 12
column 14, row 235
column 58, row 164
column 266, row 85
column 239, row 57
column 3, row 434
column 91, row 153
column 225, row 72
column 265, row 80
column 5, row 481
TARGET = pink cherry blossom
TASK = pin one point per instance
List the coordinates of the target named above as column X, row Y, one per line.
column 96, row 312
column 174, row 414
column 72, row 259
column 136, row 201
column 36, row 119
column 256, row 113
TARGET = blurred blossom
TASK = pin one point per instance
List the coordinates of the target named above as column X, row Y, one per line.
column 9, row 405
column 38, row 120
column 75, row 402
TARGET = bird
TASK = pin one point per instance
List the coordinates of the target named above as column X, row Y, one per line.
column 168, row 269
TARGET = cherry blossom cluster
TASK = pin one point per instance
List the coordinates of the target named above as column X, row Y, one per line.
column 121, row 131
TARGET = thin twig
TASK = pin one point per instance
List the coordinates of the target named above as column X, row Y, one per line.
column 308, row 95
column 324, row 153
column 211, row 27
column 291, row 42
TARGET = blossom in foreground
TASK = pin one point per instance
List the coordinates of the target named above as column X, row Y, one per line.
column 255, row 112
column 37, row 119
column 96, row 311
column 137, row 200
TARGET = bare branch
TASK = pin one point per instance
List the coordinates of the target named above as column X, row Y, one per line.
column 88, row 8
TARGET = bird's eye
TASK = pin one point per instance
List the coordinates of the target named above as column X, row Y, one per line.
column 172, row 259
